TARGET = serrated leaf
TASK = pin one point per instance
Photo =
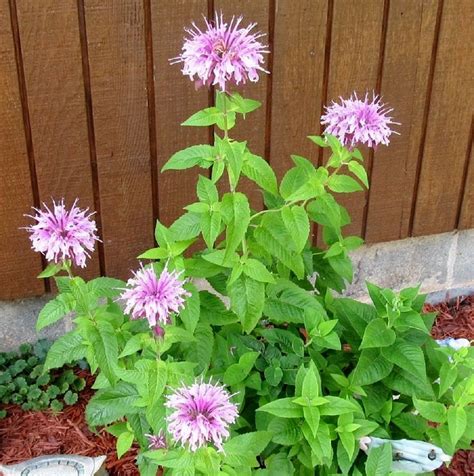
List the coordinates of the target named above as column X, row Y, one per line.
column 189, row 157
column 106, row 287
column 358, row 170
column 379, row 461
column 371, row 367
column 377, row 335
column 247, row 301
column 206, row 117
column 109, row 405
column 236, row 373
column 407, row 356
column 285, row 431
column 432, row 411
column 283, row 408
column 65, row 349
column 236, row 211
column 104, row 342
column 457, row 423
column 258, row 170
column 343, row 184
column 207, row 191
column 257, row 270
column 297, row 224
column 53, row 311
column 124, row 443
column 189, row 315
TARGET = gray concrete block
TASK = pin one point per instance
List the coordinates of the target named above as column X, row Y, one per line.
column 463, row 271
column 18, row 323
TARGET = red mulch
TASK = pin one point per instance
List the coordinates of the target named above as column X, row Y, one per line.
column 24, row 435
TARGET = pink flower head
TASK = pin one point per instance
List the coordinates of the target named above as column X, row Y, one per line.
column 201, row 414
column 62, row 234
column 222, row 53
column 355, row 121
column 156, row 442
column 154, row 298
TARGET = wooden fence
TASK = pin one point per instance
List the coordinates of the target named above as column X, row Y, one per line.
column 90, row 108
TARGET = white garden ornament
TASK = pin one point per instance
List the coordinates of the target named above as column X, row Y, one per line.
column 57, row 465
column 410, row 456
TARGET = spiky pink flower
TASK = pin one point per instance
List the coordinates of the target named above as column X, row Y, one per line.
column 223, row 53
column 61, row 234
column 156, row 442
column 202, row 413
column 356, row 121
column 150, row 297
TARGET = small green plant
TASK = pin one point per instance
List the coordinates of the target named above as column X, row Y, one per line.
column 24, row 380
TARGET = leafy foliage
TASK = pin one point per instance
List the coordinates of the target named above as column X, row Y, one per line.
column 312, row 372
column 26, row 380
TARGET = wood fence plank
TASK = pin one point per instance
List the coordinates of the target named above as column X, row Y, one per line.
column 355, row 48
column 18, row 263
column 466, row 213
column 52, row 61
column 176, row 100
column 408, row 51
column 116, row 46
column 449, row 122
column 298, row 64
column 252, row 129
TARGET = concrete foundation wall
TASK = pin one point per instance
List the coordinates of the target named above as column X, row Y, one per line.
column 443, row 264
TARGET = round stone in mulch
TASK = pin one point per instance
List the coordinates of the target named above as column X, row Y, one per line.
column 25, row 435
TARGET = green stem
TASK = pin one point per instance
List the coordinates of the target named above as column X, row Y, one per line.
column 226, row 127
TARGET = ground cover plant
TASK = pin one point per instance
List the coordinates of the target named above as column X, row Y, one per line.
column 266, row 369
column 25, row 381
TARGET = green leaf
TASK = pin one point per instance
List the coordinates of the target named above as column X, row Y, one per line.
column 311, row 383
column 246, row 447
column 234, row 155
column 104, row 342
column 371, row 367
column 407, row 356
column 236, row 373
column 285, row 431
column 283, row 408
column 242, row 105
column 457, row 423
column 312, row 417
column 377, row 334
column 447, row 376
column 133, row 345
column 432, row 411
column 106, row 287
column 247, row 301
column 379, row 461
column 236, row 212
column 413, row 425
column 203, row 347
column 186, row 227
column 338, row 406
column 65, row 349
column 358, row 170
column 124, row 443
column 211, row 223
column 273, row 236
column 190, row 314
column 273, row 375
column 189, row 157
column 258, row 170
column 206, row 117
column 50, row 270
column 109, row 405
column 325, row 211
column 297, row 224
column 257, row 270
column 343, row 184
column 207, row 191
column 53, row 311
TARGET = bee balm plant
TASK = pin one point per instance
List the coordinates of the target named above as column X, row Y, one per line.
column 267, row 370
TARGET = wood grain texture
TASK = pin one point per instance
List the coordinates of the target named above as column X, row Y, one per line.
column 466, row 212
column 116, row 47
column 449, row 122
column 18, row 263
column 298, row 64
column 53, row 72
column 176, row 100
column 252, row 128
column 409, row 42
column 354, row 64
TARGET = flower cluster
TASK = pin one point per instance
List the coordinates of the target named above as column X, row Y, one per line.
column 356, row 121
column 150, row 297
column 223, row 53
column 201, row 414
column 61, row 234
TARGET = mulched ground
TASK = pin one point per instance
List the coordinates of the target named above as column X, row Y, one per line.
column 24, row 435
